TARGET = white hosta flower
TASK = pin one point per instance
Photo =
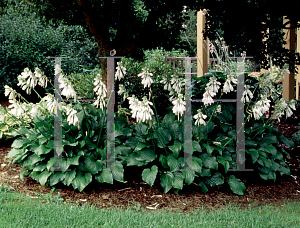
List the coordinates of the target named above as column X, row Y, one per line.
column 219, row 110
column 146, row 76
column 16, row 109
column 134, row 105
column 2, row 114
column 167, row 85
column 257, row 111
column 179, row 106
column 42, row 79
column 35, row 111
column 207, row 98
column 213, row 84
column 100, row 102
column 100, row 88
column 177, row 83
column 200, row 118
column 122, row 91
column 10, row 92
column 72, row 118
column 52, row 104
column 247, row 93
column 227, row 86
column 68, row 90
column 121, row 71
column 145, row 112
column 27, row 80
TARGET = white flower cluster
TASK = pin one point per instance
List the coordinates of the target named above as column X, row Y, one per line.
column 179, row 106
column 28, row 80
column 100, row 90
column 200, row 118
column 146, row 76
column 68, row 90
column 121, row 71
column 176, row 83
column 140, row 109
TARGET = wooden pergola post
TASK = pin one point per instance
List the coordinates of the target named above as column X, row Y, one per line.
column 298, row 75
column 202, row 47
column 288, row 92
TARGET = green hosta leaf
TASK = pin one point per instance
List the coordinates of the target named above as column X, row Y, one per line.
column 203, row 187
column 176, row 148
column 166, row 181
column 205, row 172
column 69, row 177
column 56, row 177
column 43, row 177
column 123, row 150
column 118, row 171
column 262, row 152
column 149, row 176
column 50, row 163
column 266, row 161
column 215, row 180
column 40, row 167
column 173, row 163
column 284, row 170
column 189, row 175
column 163, row 161
column 18, row 143
column 140, row 146
column 42, row 149
column 22, row 174
column 236, row 185
column 224, row 126
column 254, row 154
column 92, row 166
column 42, row 139
column 81, row 180
column 270, row 149
column 196, row 146
column 75, row 160
column 147, row 155
column 132, row 160
column 141, row 129
column 225, row 163
column 50, row 144
column 178, row 180
column 279, row 156
column 275, row 165
column 14, row 152
column 250, row 143
column 168, row 119
column 105, row 176
column 209, row 161
column 175, row 131
column 268, row 139
column 287, row 142
column 209, row 148
column 132, row 142
column 31, row 160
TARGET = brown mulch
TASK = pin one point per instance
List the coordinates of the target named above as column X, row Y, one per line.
column 134, row 192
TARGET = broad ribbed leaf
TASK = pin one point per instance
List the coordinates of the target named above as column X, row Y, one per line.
column 141, row 128
column 203, row 187
column 18, row 143
column 287, row 142
column 69, row 177
column 81, row 180
column 56, row 177
column 254, row 154
column 166, row 181
column 236, row 185
column 250, row 143
column 31, row 160
column 209, row 148
column 40, row 167
column 270, row 149
column 14, row 152
column 42, row 149
column 215, row 180
column 132, row 142
column 168, row 119
column 176, row 148
column 209, row 161
column 196, row 146
column 123, row 150
column 149, row 176
column 205, row 172
column 147, row 155
column 92, row 166
column 140, row 146
column 43, row 177
column 268, row 139
column 118, row 171
column 189, row 175
column 173, row 163
column 132, row 160
column 284, row 170
column 105, row 176
column 178, row 180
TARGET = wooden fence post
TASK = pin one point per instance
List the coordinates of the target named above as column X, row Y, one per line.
column 288, row 92
column 202, row 47
column 298, row 75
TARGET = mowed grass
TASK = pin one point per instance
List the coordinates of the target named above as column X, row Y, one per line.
column 17, row 210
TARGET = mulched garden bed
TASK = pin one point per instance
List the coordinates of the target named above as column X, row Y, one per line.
column 136, row 192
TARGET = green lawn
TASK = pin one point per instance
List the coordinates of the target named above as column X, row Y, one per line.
column 17, row 210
